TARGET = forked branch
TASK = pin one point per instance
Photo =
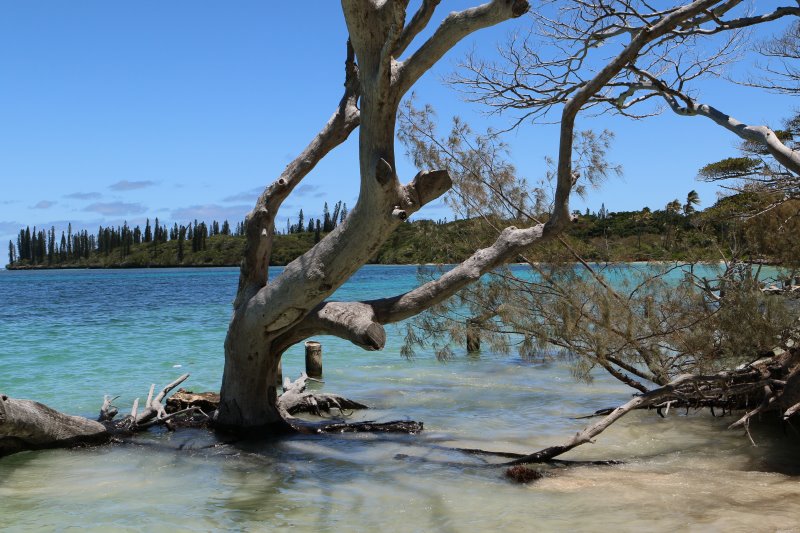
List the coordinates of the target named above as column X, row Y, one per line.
column 260, row 222
column 453, row 29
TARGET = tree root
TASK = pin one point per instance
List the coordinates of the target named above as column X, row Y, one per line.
column 395, row 426
column 296, row 399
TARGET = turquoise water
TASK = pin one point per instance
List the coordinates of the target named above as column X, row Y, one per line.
column 68, row 337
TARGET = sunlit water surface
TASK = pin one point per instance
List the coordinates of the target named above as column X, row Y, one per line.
column 68, row 337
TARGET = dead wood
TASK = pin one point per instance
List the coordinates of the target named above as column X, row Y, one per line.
column 297, row 399
column 184, row 399
column 28, row 425
column 769, row 384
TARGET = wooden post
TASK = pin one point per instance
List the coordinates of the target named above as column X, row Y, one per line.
column 473, row 336
column 314, row 359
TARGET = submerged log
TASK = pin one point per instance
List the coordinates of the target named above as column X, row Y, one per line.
column 29, row 425
column 523, row 474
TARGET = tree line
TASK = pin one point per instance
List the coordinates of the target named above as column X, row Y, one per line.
column 316, row 226
column 677, row 231
column 44, row 247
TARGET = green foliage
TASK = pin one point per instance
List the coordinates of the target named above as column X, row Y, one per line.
column 643, row 325
column 645, row 235
column 730, row 168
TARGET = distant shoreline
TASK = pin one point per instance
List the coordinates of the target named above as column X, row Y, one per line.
column 148, row 267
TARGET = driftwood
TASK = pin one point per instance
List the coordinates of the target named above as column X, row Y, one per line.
column 768, row 384
column 183, row 399
column 297, row 399
column 29, row 425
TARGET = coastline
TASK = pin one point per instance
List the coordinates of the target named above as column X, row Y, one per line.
column 168, row 266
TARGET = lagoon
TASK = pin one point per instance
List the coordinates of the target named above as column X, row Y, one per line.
column 70, row 336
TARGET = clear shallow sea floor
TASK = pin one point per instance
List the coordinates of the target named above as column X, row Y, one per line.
column 68, row 337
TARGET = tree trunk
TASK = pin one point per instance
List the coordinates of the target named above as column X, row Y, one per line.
column 271, row 316
column 249, row 397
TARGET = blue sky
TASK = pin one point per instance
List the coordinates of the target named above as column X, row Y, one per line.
column 113, row 111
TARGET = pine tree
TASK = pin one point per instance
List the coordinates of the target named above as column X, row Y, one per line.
column 34, row 246
column 69, row 241
column 335, row 217
column 63, row 251
column 41, row 246
column 181, row 239
column 326, row 219
column 51, row 245
column 28, row 243
column 155, row 236
column 10, row 252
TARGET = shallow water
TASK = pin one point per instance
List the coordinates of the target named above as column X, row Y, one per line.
column 71, row 336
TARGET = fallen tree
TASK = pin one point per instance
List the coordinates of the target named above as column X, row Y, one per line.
column 29, row 425
column 767, row 385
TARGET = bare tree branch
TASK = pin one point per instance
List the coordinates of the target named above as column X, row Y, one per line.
column 454, row 28
column 684, row 105
column 417, row 23
column 361, row 322
column 260, row 222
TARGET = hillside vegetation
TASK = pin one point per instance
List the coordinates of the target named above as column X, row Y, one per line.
column 644, row 235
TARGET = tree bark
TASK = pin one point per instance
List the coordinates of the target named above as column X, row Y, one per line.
column 29, row 425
